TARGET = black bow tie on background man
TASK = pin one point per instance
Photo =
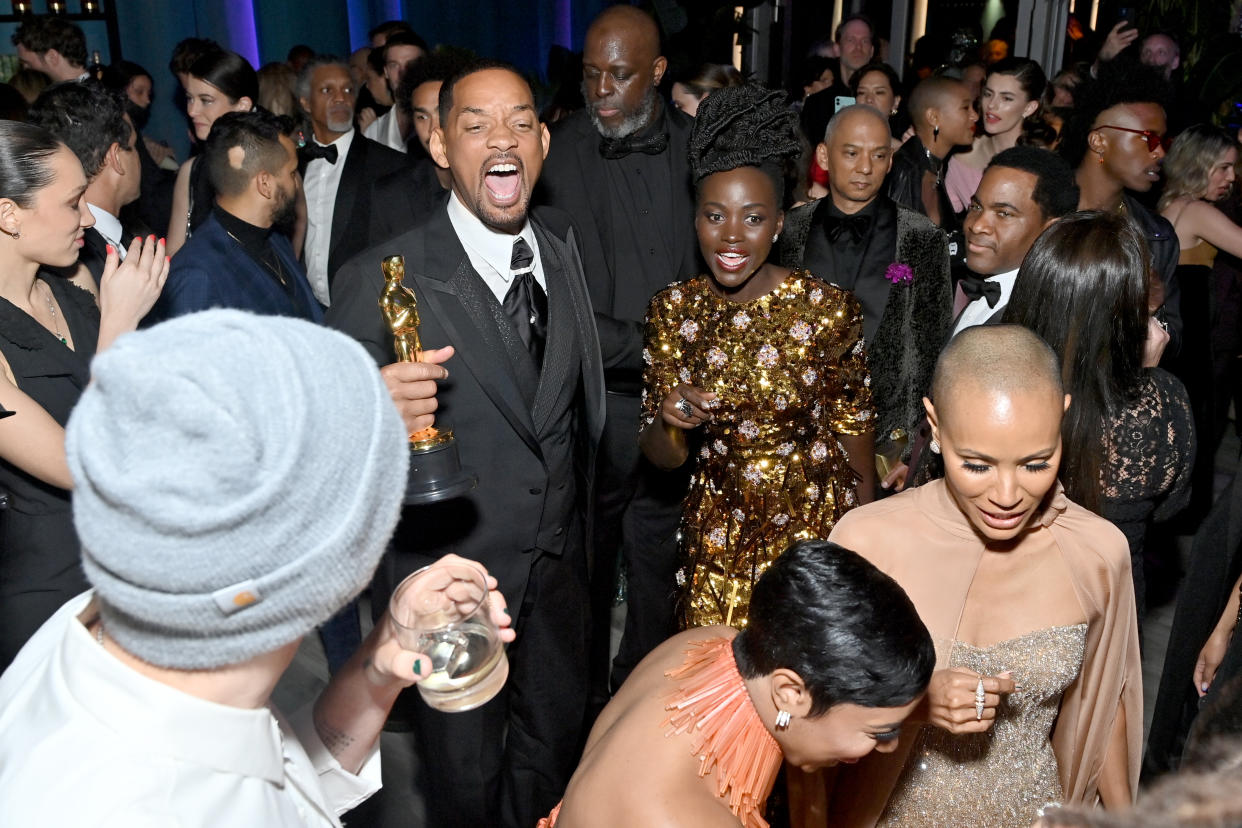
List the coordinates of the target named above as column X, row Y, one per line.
column 976, row 287
column 310, row 151
column 614, row 148
column 856, row 226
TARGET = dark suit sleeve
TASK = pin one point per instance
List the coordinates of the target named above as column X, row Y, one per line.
column 1165, row 257
column 189, row 288
column 355, row 308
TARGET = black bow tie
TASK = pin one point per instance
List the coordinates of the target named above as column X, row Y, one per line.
column 857, row 226
column 614, row 148
column 976, row 287
column 311, row 151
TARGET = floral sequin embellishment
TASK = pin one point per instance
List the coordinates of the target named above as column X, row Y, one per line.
column 809, row 376
column 780, row 402
column 647, row 356
column 816, row 295
column 767, row 356
column 748, row 429
column 739, row 515
column 819, row 450
column 684, row 375
column 720, row 447
column 780, row 519
column 689, row 330
column 675, row 294
column 717, row 358
column 812, row 491
column 718, row 536
column 752, row 473
column 785, row 449
column 801, row 331
column 741, row 320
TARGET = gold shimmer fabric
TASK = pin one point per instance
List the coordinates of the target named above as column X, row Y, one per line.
column 921, row 538
column 998, row 779
column 791, row 374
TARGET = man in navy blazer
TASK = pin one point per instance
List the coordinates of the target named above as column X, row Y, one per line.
column 235, row 260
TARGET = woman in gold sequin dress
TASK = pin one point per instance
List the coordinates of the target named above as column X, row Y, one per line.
column 1037, row 695
column 760, row 369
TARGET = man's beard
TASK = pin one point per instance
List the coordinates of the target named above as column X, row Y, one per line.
column 631, row 123
column 286, row 212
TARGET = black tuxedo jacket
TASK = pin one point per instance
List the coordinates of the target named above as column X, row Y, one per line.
column 405, row 198
column 366, row 161
column 492, row 404
column 571, row 182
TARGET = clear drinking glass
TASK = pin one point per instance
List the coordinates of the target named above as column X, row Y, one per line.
column 443, row 612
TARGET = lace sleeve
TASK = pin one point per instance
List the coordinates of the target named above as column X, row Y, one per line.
column 1150, row 447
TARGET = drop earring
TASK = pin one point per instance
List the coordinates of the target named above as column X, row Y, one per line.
column 935, row 134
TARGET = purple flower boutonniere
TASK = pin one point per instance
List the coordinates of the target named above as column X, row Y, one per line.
column 899, row 273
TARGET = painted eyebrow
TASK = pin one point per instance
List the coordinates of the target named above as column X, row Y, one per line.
column 977, row 455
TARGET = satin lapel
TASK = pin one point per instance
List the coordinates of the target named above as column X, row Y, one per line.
column 461, row 305
column 559, row 353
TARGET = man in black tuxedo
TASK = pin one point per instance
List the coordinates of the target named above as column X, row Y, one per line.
column 408, row 196
column 619, row 168
column 894, row 260
column 338, row 166
column 502, row 294
column 92, row 122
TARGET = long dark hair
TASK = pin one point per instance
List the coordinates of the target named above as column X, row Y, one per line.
column 1083, row 287
column 847, row 629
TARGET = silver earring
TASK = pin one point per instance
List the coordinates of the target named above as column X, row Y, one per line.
column 782, row 719
column 935, row 446
column 775, row 236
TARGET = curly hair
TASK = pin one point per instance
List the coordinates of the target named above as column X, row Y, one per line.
column 1120, row 81
column 1190, row 161
column 86, row 117
column 745, row 126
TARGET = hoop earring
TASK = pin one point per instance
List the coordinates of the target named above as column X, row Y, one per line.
column 782, row 719
column 16, row 234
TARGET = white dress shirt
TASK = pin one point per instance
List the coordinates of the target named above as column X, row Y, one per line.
column 979, row 311
column 87, row 741
column 387, row 130
column 321, row 181
column 490, row 251
column 108, row 226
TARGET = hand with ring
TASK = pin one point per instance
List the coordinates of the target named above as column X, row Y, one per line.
column 687, row 406
column 962, row 701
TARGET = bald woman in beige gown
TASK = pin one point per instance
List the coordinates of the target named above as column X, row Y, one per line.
column 1037, row 694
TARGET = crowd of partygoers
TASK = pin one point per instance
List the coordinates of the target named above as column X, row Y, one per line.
column 879, row 405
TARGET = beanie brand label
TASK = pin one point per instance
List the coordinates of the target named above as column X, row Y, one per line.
column 230, row 599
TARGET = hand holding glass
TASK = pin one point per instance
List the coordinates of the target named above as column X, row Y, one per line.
column 443, row 611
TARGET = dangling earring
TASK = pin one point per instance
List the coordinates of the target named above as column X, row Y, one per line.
column 782, row 719
column 935, row 134
column 934, row 446
column 1100, row 157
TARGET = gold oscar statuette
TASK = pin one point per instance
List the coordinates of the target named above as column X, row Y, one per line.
column 435, row 467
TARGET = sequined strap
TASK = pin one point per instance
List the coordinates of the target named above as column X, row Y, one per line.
column 711, row 703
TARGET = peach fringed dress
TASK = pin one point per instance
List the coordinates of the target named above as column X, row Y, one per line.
column 727, row 736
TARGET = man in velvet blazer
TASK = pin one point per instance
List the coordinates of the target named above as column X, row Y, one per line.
column 526, row 420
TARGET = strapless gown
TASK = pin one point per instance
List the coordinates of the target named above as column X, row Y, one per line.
column 1000, row 778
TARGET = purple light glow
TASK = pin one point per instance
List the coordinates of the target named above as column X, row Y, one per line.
column 243, row 34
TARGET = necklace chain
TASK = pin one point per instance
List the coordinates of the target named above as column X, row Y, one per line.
column 51, row 307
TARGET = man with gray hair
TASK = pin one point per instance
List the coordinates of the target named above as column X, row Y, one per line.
column 619, row 168
column 202, row 455
column 338, row 168
column 894, row 260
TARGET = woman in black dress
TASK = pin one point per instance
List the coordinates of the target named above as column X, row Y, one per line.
column 1129, row 436
column 49, row 330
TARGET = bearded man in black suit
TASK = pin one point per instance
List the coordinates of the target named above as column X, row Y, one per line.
column 619, row 168
column 504, row 294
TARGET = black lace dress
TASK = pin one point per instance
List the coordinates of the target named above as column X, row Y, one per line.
column 1147, row 464
column 40, row 565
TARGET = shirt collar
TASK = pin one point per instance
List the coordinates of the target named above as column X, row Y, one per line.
column 493, row 246
column 342, row 144
column 172, row 723
column 1006, row 282
column 106, row 224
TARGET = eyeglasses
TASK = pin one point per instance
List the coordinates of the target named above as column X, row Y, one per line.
column 1154, row 139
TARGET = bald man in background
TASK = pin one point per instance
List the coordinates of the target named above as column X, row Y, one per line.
column 619, row 169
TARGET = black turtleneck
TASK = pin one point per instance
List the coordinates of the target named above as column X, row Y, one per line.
column 256, row 241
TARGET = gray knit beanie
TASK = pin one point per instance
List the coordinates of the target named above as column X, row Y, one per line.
column 237, row 478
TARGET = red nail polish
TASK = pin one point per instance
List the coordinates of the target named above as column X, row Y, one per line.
column 111, row 250
column 162, row 241
column 168, row 258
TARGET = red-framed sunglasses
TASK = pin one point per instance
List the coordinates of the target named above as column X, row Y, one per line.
column 1154, row 139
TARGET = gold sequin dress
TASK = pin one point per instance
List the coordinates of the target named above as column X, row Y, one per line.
column 791, row 374
column 1001, row 778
